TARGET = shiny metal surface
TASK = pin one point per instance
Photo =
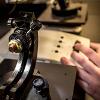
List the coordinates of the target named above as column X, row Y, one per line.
column 25, row 65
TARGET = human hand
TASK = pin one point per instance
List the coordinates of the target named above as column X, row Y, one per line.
column 89, row 72
column 96, row 47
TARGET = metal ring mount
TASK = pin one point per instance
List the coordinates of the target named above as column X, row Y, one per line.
column 13, row 88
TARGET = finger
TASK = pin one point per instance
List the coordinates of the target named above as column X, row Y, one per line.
column 91, row 90
column 95, row 46
column 84, row 75
column 85, row 63
column 90, row 53
column 83, row 84
column 65, row 61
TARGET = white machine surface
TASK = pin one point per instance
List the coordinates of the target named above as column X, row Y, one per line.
column 55, row 44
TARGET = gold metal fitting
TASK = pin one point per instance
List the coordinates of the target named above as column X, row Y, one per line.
column 15, row 46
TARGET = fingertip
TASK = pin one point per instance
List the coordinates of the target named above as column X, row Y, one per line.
column 94, row 46
column 73, row 53
column 66, row 61
column 63, row 59
column 77, row 45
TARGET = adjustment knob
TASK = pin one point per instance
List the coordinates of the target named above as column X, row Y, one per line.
column 38, row 84
column 15, row 46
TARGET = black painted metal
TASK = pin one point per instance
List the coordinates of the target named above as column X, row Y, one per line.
column 14, row 86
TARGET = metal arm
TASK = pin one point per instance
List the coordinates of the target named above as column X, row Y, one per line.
column 24, row 41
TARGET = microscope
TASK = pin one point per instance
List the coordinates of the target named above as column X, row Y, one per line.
column 26, row 83
column 24, row 41
column 31, row 78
